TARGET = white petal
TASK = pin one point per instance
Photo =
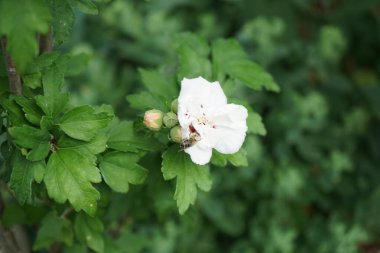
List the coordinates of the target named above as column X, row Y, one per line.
column 201, row 92
column 231, row 124
column 199, row 155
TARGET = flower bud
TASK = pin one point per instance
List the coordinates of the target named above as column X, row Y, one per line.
column 174, row 106
column 153, row 119
column 170, row 119
column 176, row 134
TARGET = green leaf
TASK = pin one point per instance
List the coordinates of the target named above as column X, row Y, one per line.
column 54, row 67
column 69, row 174
column 190, row 176
column 20, row 21
column 63, row 19
column 32, row 112
column 158, row 85
column 86, row 6
column 229, row 58
column 35, row 139
column 193, row 41
column 52, row 105
column 15, row 114
column 145, row 101
column 95, row 146
column 90, row 230
column 83, row 123
column 53, row 229
column 238, row 159
column 23, row 174
column 255, row 124
column 32, row 80
column 121, row 169
column 124, row 138
column 192, row 64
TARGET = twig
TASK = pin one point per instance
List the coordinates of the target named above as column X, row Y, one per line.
column 14, row 78
column 46, row 42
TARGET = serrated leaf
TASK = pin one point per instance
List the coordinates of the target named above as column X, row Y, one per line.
column 33, row 80
column 121, row 169
column 53, row 229
column 24, row 172
column 189, row 176
column 52, row 105
column 238, row 159
column 69, row 174
column 90, row 230
column 255, row 124
column 229, row 58
column 20, row 21
column 158, row 85
column 95, row 146
column 83, row 123
column 32, row 112
column 124, row 138
column 32, row 138
column 86, row 6
column 218, row 159
column 145, row 100
column 192, row 64
column 63, row 19
column 15, row 114
column 53, row 67
column 193, row 41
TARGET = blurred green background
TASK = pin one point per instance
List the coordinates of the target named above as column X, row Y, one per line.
column 312, row 184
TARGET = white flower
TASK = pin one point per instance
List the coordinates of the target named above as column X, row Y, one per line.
column 203, row 110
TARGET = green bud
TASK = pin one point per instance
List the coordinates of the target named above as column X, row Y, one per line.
column 170, row 119
column 153, row 119
column 176, row 134
column 174, row 106
column 24, row 152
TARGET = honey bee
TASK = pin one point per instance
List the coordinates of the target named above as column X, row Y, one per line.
column 189, row 142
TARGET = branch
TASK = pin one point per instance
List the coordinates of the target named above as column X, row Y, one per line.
column 46, row 42
column 15, row 85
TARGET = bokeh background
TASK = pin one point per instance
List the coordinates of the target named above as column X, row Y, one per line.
column 313, row 182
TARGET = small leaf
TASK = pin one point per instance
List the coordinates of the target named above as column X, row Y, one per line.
column 145, row 101
column 95, row 146
column 86, row 6
column 124, row 138
column 192, row 64
column 238, row 159
column 52, row 105
column 15, row 114
column 32, row 112
column 90, row 230
column 120, row 169
column 158, row 85
column 33, row 80
column 193, row 41
column 20, row 21
column 53, row 229
column 255, row 124
column 23, row 174
column 63, row 19
column 35, row 139
column 190, row 176
column 229, row 58
column 69, row 174
column 83, row 123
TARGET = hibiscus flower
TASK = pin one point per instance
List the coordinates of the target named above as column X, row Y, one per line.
column 207, row 121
